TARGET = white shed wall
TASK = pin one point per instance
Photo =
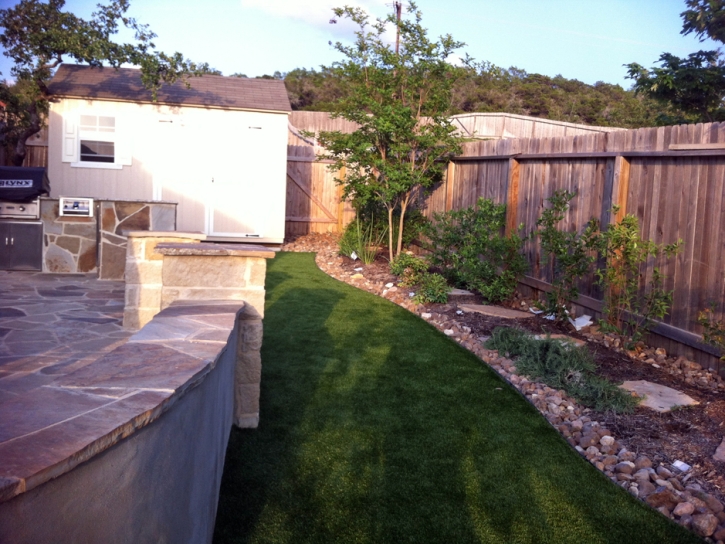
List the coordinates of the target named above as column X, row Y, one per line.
column 225, row 168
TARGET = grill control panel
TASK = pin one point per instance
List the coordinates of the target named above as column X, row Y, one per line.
column 19, row 210
column 76, row 206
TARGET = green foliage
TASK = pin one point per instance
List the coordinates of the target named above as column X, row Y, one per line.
column 363, row 239
column 38, row 36
column 569, row 253
column 375, row 213
column 694, row 85
column 629, row 308
column 469, row 248
column 485, row 87
column 713, row 329
column 400, row 103
column 489, row 88
column 704, row 18
column 562, row 366
column 432, row 288
column 409, row 267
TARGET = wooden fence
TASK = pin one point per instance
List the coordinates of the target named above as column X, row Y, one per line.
column 314, row 202
column 671, row 178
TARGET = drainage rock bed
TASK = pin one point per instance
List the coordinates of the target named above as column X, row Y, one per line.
column 638, row 451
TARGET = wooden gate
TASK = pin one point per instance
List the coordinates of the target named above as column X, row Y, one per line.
column 314, row 201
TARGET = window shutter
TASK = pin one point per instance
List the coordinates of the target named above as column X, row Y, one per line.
column 124, row 141
column 70, row 139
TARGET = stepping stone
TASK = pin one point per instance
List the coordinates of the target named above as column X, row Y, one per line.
column 658, row 397
column 495, row 311
column 461, row 295
column 562, row 338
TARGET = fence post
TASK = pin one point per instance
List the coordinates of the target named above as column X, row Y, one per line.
column 512, row 198
column 616, row 190
column 340, row 201
column 450, row 181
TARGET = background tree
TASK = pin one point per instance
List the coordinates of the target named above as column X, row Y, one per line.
column 38, row 36
column 694, row 85
column 704, row 18
column 485, row 87
column 400, row 103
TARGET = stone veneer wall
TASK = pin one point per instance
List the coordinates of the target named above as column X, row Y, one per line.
column 160, row 272
column 69, row 243
column 117, row 218
column 74, row 245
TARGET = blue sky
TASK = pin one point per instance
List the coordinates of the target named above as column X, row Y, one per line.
column 588, row 40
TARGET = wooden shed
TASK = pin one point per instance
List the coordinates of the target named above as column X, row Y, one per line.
column 218, row 147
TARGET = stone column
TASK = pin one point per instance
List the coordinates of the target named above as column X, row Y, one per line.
column 206, row 271
column 143, row 273
column 248, row 372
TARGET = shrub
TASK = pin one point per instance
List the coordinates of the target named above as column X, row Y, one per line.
column 409, row 267
column 469, row 249
column 562, row 366
column 713, row 329
column 569, row 253
column 363, row 240
column 630, row 309
column 432, row 288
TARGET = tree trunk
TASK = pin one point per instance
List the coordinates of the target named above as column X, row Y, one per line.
column 390, row 233
column 403, row 207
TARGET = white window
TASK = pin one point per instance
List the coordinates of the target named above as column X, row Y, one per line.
column 95, row 141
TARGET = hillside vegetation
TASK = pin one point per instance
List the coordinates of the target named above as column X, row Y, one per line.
column 490, row 88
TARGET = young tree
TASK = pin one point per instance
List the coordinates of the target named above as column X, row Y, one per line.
column 38, row 36
column 400, row 101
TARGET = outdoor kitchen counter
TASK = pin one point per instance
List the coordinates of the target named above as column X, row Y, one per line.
column 67, row 415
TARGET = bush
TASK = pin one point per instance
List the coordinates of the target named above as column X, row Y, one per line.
column 570, row 254
column 562, row 366
column 373, row 213
column 409, row 267
column 361, row 239
column 713, row 329
column 630, row 309
column 469, row 249
column 432, row 288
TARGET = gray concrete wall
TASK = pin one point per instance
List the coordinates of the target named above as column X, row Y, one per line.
column 160, row 484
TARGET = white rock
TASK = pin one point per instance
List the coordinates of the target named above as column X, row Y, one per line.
column 389, row 285
column 606, row 440
column 448, row 332
column 679, row 465
column 425, row 315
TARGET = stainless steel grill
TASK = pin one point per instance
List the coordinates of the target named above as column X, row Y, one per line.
column 21, row 232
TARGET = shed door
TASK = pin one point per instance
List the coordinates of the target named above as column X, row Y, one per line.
column 179, row 172
column 237, row 205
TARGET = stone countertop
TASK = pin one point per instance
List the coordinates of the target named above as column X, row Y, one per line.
column 104, row 199
column 214, row 249
column 50, row 425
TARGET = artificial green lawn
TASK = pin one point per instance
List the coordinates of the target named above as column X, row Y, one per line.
column 377, row 428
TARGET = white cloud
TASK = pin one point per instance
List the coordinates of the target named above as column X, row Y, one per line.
column 318, row 13
column 315, row 12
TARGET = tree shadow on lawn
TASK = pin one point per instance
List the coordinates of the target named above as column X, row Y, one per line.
column 377, row 428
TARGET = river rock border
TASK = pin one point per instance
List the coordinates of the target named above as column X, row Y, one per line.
column 664, row 487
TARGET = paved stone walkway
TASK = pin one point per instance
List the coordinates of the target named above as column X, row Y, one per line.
column 53, row 324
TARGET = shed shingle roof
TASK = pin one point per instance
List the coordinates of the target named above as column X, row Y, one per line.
column 72, row 80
